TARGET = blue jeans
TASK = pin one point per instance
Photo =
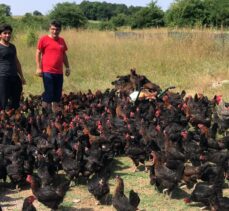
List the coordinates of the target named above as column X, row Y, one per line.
column 53, row 84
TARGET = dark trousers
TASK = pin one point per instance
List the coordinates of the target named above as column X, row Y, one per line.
column 10, row 92
column 53, row 84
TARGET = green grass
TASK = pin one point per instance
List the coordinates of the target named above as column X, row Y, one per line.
column 96, row 58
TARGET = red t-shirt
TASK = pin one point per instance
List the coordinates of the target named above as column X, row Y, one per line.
column 52, row 54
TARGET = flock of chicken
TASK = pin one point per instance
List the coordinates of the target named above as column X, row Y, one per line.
column 185, row 139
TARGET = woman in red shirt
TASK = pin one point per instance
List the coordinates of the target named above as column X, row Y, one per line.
column 50, row 57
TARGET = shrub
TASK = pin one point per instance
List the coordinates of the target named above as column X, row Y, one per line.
column 31, row 38
column 107, row 25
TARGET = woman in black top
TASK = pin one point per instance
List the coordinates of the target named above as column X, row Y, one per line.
column 11, row 76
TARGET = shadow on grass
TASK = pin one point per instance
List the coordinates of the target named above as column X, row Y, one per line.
column 4, row 198
column 7, row 205
column 118, row 165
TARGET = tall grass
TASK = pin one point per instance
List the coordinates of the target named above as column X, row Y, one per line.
column 192, row 63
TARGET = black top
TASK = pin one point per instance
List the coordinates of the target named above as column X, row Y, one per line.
column 8, row 65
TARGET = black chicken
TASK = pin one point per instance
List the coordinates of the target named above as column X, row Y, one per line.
column 135, row 151
column 203, row 192
column 28, row 204
column 167, row 179
column 98, row 186
column 50, row 196
column 220, row 204
column 120, row 201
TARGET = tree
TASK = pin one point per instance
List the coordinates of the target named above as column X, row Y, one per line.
column 34, row 22
column 69, row 14
column 218, row 12
column 132, row 10
column 198, row 12
column 151, row 16
column 5, row 10
column 89, row 9
column 37, row 13
column 104, row 10
column 120, row 20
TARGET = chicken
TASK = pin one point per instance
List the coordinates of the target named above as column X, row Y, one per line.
column 28, row 204
column 98, row 186
column 44, row 173
column 16, row 173
column 70, row 165
column 208, row 172
column 50, row 196
column 203, row 192
column 190, row 176
column 120, row 201
column 220, row 204
column 221, row 113
column 135, row 151
column 166, row 178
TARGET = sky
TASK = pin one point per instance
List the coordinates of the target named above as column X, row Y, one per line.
column 20, row 7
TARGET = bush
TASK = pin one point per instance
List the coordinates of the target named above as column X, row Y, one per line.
column 120, row 20
column 184, row 13
column 34, row 22
column 107, row 25
column 151, row 16
column 31, row 38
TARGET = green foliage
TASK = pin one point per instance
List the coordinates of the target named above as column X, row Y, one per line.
column 132, row 10
column 37, row 13
column 151, row 16
column 107, row 25
column 198, row 12
column 31, row 38
column 120, row 20
column 4, row 19
column 102, row 10
column 69, row 14
column 94, row 25
column 5, row 10
column 219, row 12
column 34, row 22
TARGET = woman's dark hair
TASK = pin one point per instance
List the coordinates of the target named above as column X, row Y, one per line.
column 5, row 27
column 56, row 23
